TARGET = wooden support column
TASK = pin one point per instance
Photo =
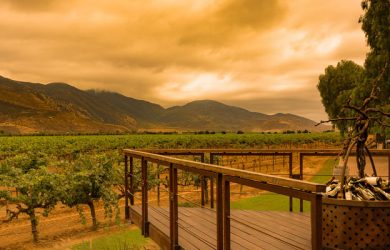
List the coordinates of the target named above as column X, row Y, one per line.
column 145, row 222
column 211, row 192
column 316, row 222
column 127, row 208
column 173, row 209
column 220, row 217
column 211, row 183
column 131, row 188
column 158, row 184
column 226, row 214
column 290, row 172
column 301, row 178
column 202, row 185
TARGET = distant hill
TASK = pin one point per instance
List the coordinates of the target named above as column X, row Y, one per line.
column 60, row 108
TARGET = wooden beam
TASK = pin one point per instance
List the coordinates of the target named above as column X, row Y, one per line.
column 226, row 214
column 249, row 151
column 290, row 173
column 211, row 192
column 145, row 221
column 212, row 183
column 131, row 188
column 202, row 184
column 219, row 217
column 272, row 188
column 173, row 209
column 127, row 208
column 301, row 178
column 316, row 222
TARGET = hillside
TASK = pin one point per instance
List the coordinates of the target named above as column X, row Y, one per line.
column 60, row 108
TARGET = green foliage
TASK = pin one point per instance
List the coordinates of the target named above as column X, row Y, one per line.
column 376, row 25
column 34, row 188
column 125, row 240
column 68, row 148
column 336, row 87
column 90, row 179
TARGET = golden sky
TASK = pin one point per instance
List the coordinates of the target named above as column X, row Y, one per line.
column 263, row 55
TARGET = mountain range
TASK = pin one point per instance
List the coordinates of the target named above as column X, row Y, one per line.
column 61, row 108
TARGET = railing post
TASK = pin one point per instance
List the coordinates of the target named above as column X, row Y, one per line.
column 131, row 188
column 301, row 178
column 290, row 171
column 316, row 222
column 173, row 209
column 158, row 184
column 226, row 214
column 202, row 184
column 127, row 209
column 211, row 192
column 211, row 183
column 220, row 218
column 145, row 222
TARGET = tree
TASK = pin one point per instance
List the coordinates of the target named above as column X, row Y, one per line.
column 336, row 86
column 34, row 188
column 369, row 101
column 91, row 179
column 376, row 25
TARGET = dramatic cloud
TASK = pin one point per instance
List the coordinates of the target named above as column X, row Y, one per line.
column 262, row 55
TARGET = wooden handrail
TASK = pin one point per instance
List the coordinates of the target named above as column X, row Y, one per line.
column 254, row 150
column 269, row 179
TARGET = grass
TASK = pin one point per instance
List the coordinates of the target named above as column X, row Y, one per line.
column 268, row 201
column 323, row 174
column 124, row 240
column 187, row 204
column 276, row 202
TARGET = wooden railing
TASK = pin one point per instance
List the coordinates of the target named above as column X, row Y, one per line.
column 224, row 176
column 302, row 154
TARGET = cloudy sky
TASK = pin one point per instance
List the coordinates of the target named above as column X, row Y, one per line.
column 263, row 55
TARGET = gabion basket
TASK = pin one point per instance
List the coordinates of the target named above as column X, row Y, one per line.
column 355, row 224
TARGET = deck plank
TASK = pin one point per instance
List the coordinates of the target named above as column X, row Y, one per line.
column 249, row 229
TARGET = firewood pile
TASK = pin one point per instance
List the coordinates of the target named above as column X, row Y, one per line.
column 359, row 189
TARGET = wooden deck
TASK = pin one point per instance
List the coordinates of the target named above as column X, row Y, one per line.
column 249, row 229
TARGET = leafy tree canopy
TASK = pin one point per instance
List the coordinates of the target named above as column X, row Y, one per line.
column 89, row 179
column 350, row 84
column 336, row 86
column 29, row 186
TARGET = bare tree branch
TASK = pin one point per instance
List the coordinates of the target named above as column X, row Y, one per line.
column 357, row 109
column 337, row 119
column 371, row 110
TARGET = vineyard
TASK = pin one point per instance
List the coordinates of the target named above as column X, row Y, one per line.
column 66, row 146
column 73, row 179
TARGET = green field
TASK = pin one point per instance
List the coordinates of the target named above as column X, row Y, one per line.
column 275, row 202
column 124, row 240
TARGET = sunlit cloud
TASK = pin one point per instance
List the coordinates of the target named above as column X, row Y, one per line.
column 262, row 55
column 201, row 86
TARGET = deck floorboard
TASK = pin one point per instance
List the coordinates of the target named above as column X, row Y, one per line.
column 249, row 229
